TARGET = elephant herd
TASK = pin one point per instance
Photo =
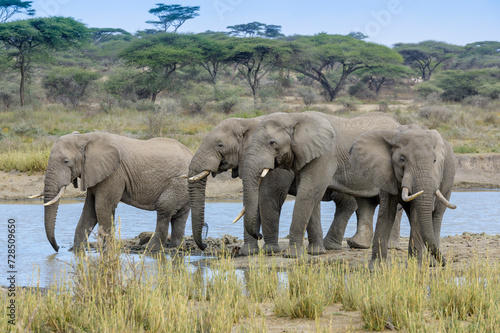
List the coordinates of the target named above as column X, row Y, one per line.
column 358, row 163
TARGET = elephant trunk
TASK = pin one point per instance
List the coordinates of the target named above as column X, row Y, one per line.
column 197, row 202
column 50, row 214
column 250, row 198
column 423, row 209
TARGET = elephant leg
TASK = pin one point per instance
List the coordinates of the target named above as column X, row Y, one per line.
column 250, row 245
column 178, row 223
column 364, row 232
column 345, row 206
column 107, row 197
column 315, row 233
column 272, row 194
column 309, row 195
column 87, row 222
column 396, row 229
column 385, row 222
column 161, row 232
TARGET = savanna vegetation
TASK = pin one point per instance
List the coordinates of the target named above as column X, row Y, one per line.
column 108, row 291
column 59, row 76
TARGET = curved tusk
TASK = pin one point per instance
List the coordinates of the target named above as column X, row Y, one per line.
column 36, row 195
column 406, row 197
column 184, row 176
column 57, row 197
column 240, row 215
column 264, row 173
column 443, row 200
column 199, row 176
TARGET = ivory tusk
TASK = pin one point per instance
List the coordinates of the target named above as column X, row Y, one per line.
column 443, row 200
column 57, row 197
column 199, row 176
column 184, row 176
column 264, row 173
column 406, row 197
column 240, row 215
column 36, row 195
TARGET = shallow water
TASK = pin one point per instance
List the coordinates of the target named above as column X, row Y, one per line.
column 477, row 212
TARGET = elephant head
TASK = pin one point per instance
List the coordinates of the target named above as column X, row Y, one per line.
column 222, row 149
column 281, row 140
column 91, row 157
column 416, row 165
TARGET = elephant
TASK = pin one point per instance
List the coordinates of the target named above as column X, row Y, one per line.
column 315, row 146
column 143, row 173
column 224, row 148
column 409, row 159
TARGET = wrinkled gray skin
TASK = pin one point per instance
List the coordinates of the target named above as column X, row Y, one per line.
column 142, row 173
column 418, row 159
column 315, row 146
column 224, row 148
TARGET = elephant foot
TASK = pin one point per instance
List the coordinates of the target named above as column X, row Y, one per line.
column 154, row 245
column 271, row 248
column 294, row 251
column 249, row 249
column 359, row 242
column 332, row 245
column 315, row 249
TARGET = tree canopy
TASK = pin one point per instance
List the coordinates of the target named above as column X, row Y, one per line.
column 255, row 29
column 314, row 56
column 427, row 56
column 9, row 8
column 27, row 39
column 160, row 55
column 172, row 15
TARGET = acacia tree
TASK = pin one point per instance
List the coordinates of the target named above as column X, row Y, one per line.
column 160, row 55
column 255, row 57
column 9, row 8
column 172, row 15
column 315, row 56
column 427, row 56
column 31, row 38
column 255, row 29
column 214, row 50
column 384, row 75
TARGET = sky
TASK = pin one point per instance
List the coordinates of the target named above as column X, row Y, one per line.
column 384, row 21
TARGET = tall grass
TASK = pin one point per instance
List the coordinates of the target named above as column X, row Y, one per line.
column 108, row 292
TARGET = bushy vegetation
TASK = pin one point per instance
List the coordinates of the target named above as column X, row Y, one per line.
column 109, row 291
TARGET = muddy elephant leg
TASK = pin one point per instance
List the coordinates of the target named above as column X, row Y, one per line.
column 87, row 222
column 315, row 233
column 345, row 206
column 396, row 228
column 385, row 222
column 106, row 200
column 362, row 239
column 178, row 223
column 250, row 244
column 160, row 235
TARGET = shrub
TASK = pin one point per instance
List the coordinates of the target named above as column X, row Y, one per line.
column 424, row 89
column 361, row 90
column 490, row 90
column 69, row 85
column 349, row 103
column 308, row 95
column 435, row 115
column 196, row 98
column 476, row 100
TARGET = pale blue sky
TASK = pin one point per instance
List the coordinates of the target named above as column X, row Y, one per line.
column 384, row 21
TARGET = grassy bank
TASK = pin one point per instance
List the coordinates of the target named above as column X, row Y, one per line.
column 108, row 294
column 27, row 134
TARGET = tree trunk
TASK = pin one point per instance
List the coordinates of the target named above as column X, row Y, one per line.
column 23, row 81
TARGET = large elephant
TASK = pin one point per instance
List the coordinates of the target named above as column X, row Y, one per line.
column 224, row 148
column 409, row 159
column 143, row 173
column 315, row 146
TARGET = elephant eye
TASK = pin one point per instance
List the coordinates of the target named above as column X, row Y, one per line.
column 66, row 161
column 402, row 159
column 220, row 145
column 272, row 142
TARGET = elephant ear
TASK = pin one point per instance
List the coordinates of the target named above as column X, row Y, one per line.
column 312, row 136
column 101, row 158
column 371, row 158
column 440, row 151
